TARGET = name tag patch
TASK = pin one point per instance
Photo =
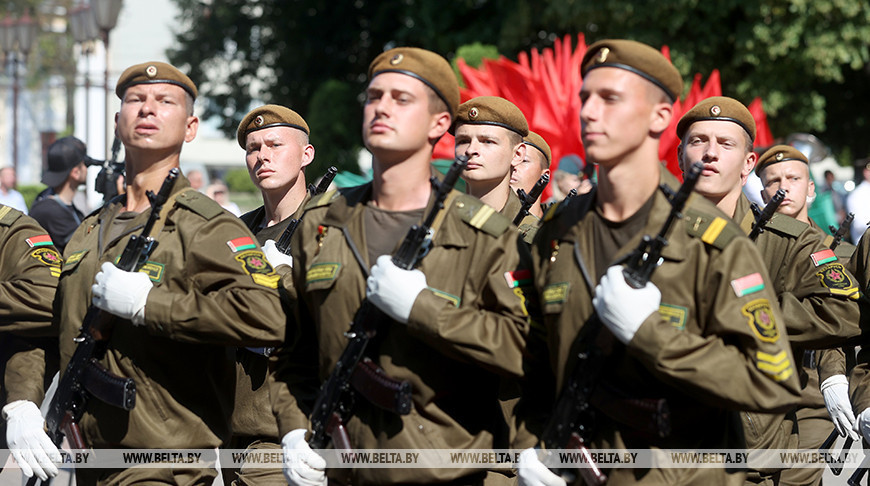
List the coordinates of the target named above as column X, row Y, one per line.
column 322, row 271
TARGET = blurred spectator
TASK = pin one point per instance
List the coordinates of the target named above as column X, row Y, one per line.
column 53, row 207
column 219, row 192
column 830, row 187
column 8, row 195
column 859, row 203
column 571, row 173
column 197, row 181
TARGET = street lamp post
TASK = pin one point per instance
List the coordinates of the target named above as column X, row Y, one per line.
column 17, row 37
column 106, row 14
column 83, row 27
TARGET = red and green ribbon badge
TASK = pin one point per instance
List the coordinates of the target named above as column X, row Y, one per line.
column 41, row 240
column 243, row 243
column 748, row 284
column 518, row 278
column 823, row 257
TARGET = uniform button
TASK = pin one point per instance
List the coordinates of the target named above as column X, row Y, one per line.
column 420, row 427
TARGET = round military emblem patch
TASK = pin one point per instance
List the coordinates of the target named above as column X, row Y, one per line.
column 50, row 258
column 151, row 71
column 259, row 120
column 473, row 113
column 715, row 110
column 834, row 276
column 779, row 156
column 397, row 59
column 602, row 54
column 761, row 319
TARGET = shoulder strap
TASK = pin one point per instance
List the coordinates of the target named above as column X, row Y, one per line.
column 8, row 215
column 714, row 230
column 482, row 216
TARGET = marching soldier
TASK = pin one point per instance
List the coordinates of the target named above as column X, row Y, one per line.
column 536, row 163
column 490, row 130
column 826, row 394
column 277, row 150
column 206, row 286
column 705, row 335
column 457, row 324
column 814, row 290
column 29, row 268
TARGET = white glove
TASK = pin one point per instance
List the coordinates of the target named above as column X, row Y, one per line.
column 274, row 255
column 862, row 424
column 122, row 293
column 28, row 442
column 622, row 308
column 835, row 390
column 394, row 290
column 302, row 466
column 532, row 472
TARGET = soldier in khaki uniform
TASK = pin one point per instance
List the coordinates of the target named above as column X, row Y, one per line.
column 490, row 130
column 705, row 334
column 536, row 163
column 207, row 286
column 825, row 397
column 457, row 322
column 275, row 140
column 859, row 378
column 29, row 267
column 816, row 293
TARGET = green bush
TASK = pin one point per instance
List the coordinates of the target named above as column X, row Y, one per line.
column 30, row 192
column 238, row 180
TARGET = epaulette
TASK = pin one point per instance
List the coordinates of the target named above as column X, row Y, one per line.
column 481, row 216
column 199, row 203
column 322, row 199
column 714, row 230
column 9, row 215
column 786, row 224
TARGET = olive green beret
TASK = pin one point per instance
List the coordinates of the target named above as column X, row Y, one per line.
column 430, row 68
column 491, row 110
column 779, row 153
column 719, row 108
column 269, row 116
column 638, row 58
column 539, row 143
column 153, row 72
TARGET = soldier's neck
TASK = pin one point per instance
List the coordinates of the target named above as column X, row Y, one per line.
column 144, row 176
column 493, row 193
column 623, row 188
column 402, row 185
column 283, row 203
column 726, row 203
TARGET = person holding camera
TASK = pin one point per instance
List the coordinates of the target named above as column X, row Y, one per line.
column 67, row 170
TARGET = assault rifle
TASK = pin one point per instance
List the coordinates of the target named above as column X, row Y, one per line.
column 335, row 399
column 84, row 376
column 763, row 216
column 530, row 198
column 283, row 243
column 840, row 232
column 570, row 425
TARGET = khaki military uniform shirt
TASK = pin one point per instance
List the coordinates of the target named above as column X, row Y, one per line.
column 465, row 331
column 859, row 379
column 817, row 297
column 213, row 290
column 29, row 268
column 528, row 226
column 717, row 344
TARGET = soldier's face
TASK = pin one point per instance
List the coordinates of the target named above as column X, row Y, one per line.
column 722, row 147
column 617, row 115
column 490, row 152
column 525, row 173
column 793, row 176
column 397, row 122
column 154, row 117
column 276, row 155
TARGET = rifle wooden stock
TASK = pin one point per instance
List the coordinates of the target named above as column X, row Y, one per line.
column 335, row 398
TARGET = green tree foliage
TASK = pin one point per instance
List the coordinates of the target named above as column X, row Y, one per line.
column 806, row 58
column 238, row 180
column 333, row 117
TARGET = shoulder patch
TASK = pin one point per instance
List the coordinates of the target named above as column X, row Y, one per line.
column 9, row 215
column 481, row 216
column 787, row 225
column 711, row 229
column 322, row 199
column 199, row 203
